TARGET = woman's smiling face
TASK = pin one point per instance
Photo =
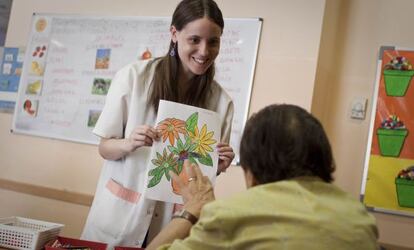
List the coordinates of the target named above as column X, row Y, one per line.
column 198, row 45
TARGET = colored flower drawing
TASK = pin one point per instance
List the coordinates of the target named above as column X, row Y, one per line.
column 170, row 128
column 202, row 140
column 186, row 142
column 164, row 164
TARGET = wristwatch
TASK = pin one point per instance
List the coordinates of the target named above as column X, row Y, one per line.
column 184, row 214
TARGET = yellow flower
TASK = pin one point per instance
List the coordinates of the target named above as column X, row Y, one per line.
column 202, row 140
column 170, row 128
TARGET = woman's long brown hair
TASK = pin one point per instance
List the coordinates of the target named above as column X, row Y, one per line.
column 164, row 84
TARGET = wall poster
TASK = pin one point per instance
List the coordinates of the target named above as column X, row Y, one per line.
column 388, row 181
column 11, row 63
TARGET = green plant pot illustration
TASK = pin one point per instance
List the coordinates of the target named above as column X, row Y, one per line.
column 405, row 192
column 397, row 81
column 391, row 141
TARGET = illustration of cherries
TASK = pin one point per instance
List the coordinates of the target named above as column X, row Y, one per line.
column 39, row 51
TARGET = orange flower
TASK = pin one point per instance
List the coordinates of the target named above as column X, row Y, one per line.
column 170, row 128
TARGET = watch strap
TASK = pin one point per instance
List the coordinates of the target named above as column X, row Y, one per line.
column 184, row 214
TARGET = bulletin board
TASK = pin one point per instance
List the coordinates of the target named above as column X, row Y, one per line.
column 11, row 63
column 388, row 180
column 70, row 61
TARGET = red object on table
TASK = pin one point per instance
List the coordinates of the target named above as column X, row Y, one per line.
column 75, row 243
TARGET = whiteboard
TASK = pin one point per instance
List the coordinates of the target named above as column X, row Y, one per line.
column 71, row 59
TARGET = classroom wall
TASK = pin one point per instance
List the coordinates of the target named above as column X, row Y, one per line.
column 324, row 73
column 285, row 72
column 353, row 31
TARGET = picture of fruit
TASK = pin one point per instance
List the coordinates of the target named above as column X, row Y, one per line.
column 30, row 107
column 146, row 55
column 36, row 68
column 35, row 65
column 27, row 105
column 41, row 25
column 39, row 51
column 34, row 87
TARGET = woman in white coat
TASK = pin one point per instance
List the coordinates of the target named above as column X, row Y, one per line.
column 119, row 215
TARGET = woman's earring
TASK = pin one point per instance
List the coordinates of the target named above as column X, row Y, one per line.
column 172, row 51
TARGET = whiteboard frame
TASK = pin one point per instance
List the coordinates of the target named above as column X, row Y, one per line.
column 236, row 160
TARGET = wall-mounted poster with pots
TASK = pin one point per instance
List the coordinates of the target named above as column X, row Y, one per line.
column 388, row 181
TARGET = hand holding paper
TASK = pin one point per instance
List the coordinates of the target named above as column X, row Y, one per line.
column 142, row 135
column 226, row 156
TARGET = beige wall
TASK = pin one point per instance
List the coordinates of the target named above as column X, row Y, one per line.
column 285, row 72
column 353, row 31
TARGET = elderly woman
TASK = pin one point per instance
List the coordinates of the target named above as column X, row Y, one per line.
column 290, row 202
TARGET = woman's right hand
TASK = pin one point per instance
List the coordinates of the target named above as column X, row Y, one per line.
column 142, row 135
column 115, row 149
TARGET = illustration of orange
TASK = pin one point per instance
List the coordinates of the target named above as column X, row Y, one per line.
column 41, row 25
column 146, row 55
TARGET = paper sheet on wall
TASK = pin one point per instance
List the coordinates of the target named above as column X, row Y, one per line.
column 187, row 132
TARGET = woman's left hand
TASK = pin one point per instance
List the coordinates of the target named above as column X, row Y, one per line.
column 226, row 156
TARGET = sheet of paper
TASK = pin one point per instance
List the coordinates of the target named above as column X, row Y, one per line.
column 187, row 132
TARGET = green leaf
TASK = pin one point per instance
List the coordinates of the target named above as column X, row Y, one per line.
column 192, row 159
column 195, row 155
column 180, row 144
column 173, row 149
column 206, row 160
column 155, row 180
column 154, row 171
column 156, row 162
column 187, row 141
column 159, row 156
column 167, row 174
column 192, row 122
column 179, row 168
column 192, row 147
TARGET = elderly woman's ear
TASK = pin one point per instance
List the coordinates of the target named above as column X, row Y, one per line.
column 249, row 178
